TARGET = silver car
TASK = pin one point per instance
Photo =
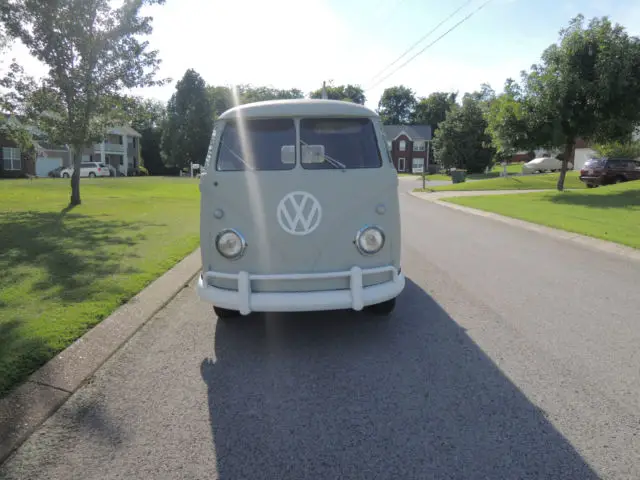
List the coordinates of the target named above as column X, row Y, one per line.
column 299, row 211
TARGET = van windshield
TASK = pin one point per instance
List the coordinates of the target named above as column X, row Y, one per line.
column 256, row 145
column 344, row 142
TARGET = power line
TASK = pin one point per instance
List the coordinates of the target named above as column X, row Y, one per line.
column 420, row 40
column 431, row 44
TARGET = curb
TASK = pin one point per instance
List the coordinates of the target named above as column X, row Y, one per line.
column 585, row 241
column 30, row 404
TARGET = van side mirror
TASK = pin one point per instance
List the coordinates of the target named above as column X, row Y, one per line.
column 312, row 153
column 288, row 154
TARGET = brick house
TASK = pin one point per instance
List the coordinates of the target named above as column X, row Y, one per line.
column 408, row 146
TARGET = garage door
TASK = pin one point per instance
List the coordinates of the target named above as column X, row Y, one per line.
column 45, row 165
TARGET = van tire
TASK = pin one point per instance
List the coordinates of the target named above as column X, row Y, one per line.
column 92, row 175
column 225, row 314
column 382, row 309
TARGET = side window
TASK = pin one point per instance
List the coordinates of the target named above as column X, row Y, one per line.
column 403, row 145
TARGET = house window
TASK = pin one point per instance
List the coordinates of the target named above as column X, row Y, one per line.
column 417, row 165
column 11, row 158
column 401, row 164
column 403, row 145
column 418, row 147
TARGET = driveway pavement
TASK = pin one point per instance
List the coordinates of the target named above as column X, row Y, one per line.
column 510, row 355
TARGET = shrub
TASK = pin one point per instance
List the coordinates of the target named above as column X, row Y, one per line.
column 619, row 149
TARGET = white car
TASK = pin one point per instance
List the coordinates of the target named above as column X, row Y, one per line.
column 544, row 164
column 87, row 169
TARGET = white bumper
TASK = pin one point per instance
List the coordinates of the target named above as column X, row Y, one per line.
column 356, row 297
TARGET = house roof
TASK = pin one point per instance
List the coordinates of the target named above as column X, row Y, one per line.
column 414, row 132
column 125, row 130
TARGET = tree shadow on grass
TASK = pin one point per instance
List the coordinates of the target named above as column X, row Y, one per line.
column 341, row 395
column 16, row 351
column 63, row 257
column 73, row 250
column 623, row 199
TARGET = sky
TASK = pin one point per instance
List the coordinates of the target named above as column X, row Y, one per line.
column 298, row 44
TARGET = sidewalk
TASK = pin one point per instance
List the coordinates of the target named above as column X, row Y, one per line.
column 468, row 193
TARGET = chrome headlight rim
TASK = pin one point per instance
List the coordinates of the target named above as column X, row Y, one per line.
column 243, row 243
column 362, row 231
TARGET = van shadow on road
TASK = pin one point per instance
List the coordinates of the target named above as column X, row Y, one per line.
column 343, row 395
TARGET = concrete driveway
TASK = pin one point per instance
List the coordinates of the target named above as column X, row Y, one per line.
column 510, row 355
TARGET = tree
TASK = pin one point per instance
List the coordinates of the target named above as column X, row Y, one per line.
column 189, row 124
column 507, row 122
column 147, row 116
column 587, row 85
column 347, row 93
column 249, row 94
column 461, row 141
column 220, row 99
column 433, row 109
column 223, row 98
column 93, row 53
column 396, row 105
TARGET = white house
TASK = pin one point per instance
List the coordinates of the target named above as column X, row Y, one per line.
column 120, row 149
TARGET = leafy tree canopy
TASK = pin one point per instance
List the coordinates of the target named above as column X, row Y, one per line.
column 396, row 105
column 347, row 93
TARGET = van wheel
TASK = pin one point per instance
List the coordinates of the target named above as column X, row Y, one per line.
column 225, row 314
column 91, row 174
column 381, row 309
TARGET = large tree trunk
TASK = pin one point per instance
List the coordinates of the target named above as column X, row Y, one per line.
column 76, row 153
column 569, row 151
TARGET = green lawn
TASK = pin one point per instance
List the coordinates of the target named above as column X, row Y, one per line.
column 544, row 181
column 62, row 272
column 610, row 213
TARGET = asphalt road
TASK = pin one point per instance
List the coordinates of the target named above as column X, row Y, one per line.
column 510, row 355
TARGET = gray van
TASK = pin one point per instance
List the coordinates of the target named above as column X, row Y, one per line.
column 299, row 211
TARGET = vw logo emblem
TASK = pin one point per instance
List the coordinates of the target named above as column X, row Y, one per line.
column 299, row 213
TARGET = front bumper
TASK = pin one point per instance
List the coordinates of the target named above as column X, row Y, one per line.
column 356, row 297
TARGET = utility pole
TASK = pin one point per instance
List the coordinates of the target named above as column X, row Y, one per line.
column 324, row 91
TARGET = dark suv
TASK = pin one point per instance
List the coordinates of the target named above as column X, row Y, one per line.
column 605, row 171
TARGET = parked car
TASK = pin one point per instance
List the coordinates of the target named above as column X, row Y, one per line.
column 605, row 171
column 55, row 173
column 544, row 164
column 87, row 169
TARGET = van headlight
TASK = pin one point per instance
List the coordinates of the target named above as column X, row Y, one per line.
column 230, row 244
column 369, row 240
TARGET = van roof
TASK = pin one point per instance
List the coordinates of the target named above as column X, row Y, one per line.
column 299, row 108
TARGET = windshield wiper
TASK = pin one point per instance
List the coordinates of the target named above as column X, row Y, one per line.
column 237, row 156
column 330, row 160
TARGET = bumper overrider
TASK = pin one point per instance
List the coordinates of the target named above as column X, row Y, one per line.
column 356, row 297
